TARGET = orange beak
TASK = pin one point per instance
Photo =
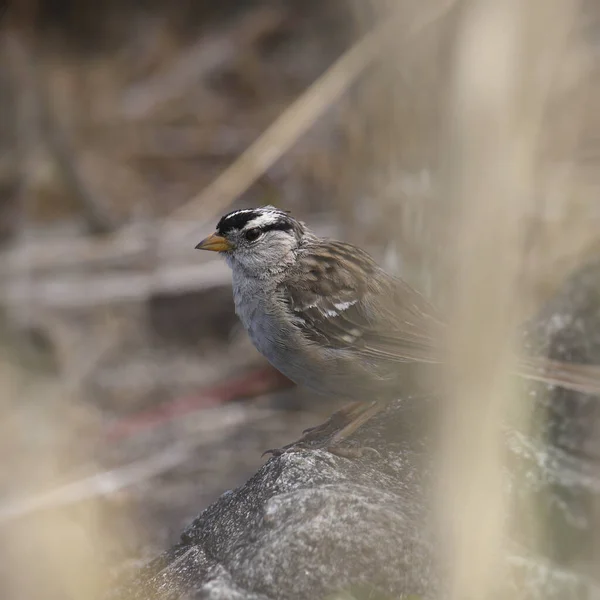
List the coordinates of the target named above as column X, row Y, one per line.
column 214, row 243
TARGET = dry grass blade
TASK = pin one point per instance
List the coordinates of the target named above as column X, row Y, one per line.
column 504, row 65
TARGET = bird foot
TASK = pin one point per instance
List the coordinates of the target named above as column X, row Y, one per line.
column 330, row 435
column 342, row 450
column 314, row 438
column 337, row 421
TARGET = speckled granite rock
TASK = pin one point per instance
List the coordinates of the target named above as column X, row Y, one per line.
column 315, row 526
column 308, row 524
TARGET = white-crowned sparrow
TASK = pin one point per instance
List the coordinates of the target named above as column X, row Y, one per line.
column 329, row 318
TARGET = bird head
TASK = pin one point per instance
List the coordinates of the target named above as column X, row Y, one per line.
column 256, row 239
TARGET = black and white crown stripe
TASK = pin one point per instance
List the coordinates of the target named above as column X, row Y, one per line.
column 266, row 219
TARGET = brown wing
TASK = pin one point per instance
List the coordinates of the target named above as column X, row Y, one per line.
column 340, row 298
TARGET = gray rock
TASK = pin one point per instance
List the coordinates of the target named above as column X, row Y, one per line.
column 312, row 525
column 308, row 524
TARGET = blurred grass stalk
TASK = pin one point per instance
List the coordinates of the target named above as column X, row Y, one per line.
column 45, row 553
column 506, row 55
column 505, row 65
column 508, row 61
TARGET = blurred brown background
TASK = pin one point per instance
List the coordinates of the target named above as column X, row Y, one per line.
column 121, row 352
column 131, row 398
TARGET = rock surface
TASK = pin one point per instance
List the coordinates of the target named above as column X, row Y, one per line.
column 308, row 524
column 312, row 525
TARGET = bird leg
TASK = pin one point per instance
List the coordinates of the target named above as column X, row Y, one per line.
column 359, row 418
column 338, row 419
column 341, row 425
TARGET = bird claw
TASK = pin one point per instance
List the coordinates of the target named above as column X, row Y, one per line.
column 334, row 423
column 272, row 452
column 330, row 435
column 293, row 447
column 338, row 449
column 349, row 452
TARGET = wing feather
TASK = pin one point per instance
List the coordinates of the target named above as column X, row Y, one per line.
column 341, row 299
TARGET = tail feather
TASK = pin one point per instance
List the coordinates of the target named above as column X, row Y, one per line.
column 571, row 376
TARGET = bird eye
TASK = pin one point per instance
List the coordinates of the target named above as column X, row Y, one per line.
column 253, row 234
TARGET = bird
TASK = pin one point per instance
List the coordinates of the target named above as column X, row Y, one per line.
column 329, row 318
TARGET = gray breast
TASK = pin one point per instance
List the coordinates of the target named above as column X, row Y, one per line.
column 255, row 306
column 274, row 336
column 325, row 370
